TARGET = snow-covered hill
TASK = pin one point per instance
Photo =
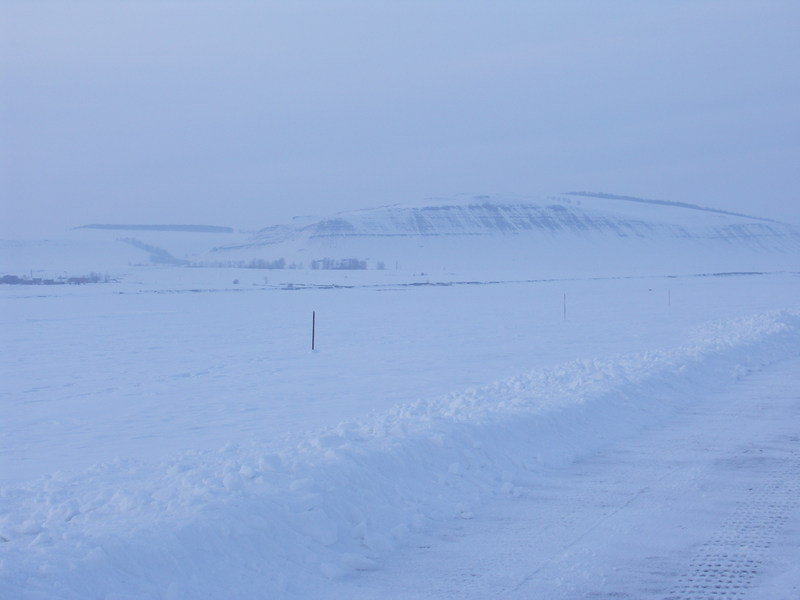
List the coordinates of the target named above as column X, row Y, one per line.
column 115, row 249
column 572, row 233
column 462, row 238
column 486, row 216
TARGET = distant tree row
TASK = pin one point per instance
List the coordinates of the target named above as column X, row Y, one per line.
column 256, row 263
column 63, row 280
column 337, row 264
column 344, row 264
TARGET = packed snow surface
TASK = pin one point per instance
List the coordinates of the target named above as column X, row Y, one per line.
column 183, row 441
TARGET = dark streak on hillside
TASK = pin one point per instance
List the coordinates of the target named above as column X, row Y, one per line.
column 178, row 228
column 666, row 203
column 158, row 256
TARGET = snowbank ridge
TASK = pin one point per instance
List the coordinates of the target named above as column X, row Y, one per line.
column 264, row 521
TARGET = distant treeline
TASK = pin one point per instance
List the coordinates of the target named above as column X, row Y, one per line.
column 181, row 228
column 335, row 264
column 63, row 280
column 345, row 264
column 256, row 263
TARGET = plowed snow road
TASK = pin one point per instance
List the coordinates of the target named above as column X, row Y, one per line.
column 705, row 505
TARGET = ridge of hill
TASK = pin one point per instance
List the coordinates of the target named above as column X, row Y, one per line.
column 177, row 228
column 666, row 203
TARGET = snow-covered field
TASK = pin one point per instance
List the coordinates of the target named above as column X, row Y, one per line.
column 174, row 436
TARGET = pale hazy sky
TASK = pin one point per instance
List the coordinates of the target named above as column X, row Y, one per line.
column 245, row 113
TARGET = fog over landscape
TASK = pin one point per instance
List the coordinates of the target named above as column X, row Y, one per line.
column 245, row 113
column 383, row 300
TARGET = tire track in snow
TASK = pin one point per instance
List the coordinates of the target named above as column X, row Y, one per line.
column 588, row 531
column 727, row 565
